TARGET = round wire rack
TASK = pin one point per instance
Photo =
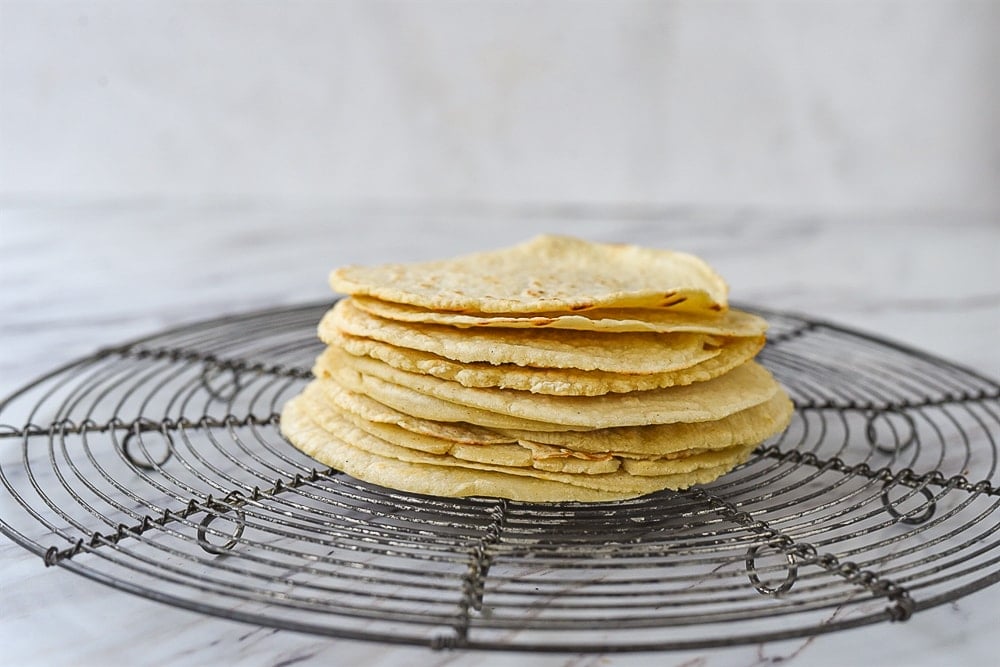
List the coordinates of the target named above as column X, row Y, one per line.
column 157, row 467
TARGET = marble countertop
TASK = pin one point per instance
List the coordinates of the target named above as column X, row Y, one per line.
column 74, row 278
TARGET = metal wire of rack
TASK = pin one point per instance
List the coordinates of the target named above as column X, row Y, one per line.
column 157, row 467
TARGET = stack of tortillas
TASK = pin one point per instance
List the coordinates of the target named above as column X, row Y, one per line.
column 555, row 370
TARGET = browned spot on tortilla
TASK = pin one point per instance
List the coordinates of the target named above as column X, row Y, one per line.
column 716, row 306
column 674, row 302
column 581, row 306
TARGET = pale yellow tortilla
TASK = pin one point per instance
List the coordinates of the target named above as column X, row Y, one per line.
column 545, row 274
column 744, row 387
column 752, row 425
column 553, row 381
column 374, row 460
column 729, row 457
column 424, row 478
column 371, row 410
column 430, row 408
column 332, row 418
column 556, row 459
column 731, row 323
column 634, row 353
column 511, row 454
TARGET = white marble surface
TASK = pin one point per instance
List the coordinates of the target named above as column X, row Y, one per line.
column 75, row 278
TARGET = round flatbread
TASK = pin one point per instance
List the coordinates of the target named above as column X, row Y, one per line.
column 753, row 425
column 433, row 409
column 553, row 381
column 333, row 419
column 371, row 410
column 742, row 388
column 545, row 274
column 634, row 353
column 731, row 323
column 374, row 460
column 423, row 478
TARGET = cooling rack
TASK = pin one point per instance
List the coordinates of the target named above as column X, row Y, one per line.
column 157, row 467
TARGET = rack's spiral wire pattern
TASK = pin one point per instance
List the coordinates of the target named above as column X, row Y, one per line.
column 157, row 467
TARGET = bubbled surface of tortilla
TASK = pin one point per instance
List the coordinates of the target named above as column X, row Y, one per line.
column 634, row 353
column 733, row 322
column 374, row 460
column 553, row 381
column 547, row 273
column 744, row 387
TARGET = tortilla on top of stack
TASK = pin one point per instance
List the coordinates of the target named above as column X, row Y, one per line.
column 555, row 370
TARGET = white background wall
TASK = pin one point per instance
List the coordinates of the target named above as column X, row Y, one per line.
column 877, row 105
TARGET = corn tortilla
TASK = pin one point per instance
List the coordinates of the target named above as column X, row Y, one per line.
column 374, row 460
column 744, row 387
column 634, row 353
column 548, row 273
column 553, row 381
column 731, row 323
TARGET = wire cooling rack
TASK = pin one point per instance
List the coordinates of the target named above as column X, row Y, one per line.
column 157, row 467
